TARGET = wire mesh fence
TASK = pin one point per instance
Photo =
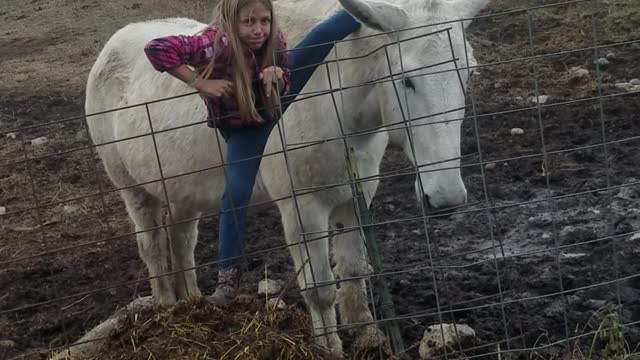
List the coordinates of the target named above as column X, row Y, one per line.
column 539, row 260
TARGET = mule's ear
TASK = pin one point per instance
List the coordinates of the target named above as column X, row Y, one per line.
column 469, row 9
column 377, row 15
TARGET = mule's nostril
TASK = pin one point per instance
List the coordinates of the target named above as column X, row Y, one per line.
column 439, row 211
column 444, row 211
column 427, row 204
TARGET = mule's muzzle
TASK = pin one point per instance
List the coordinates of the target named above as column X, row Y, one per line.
column 445, row 211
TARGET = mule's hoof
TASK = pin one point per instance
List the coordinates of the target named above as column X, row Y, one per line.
column 189, row 294
column 334, row 354
column 332, row 345
column 369, row 337
column 222, row 299
column 165, row 301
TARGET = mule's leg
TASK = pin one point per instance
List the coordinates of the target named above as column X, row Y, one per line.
column 146, row 213
column 351, row 262
column 184, row 237
column 314, row 257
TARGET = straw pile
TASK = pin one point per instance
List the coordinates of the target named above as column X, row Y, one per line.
column 195, row 329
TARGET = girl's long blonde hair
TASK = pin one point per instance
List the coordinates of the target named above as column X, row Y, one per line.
column 226, row 20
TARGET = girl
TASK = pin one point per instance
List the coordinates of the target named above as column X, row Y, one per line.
column 236, row 75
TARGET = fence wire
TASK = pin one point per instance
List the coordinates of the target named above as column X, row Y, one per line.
column 433, row 270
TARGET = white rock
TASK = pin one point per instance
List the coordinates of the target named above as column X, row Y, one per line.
column 432, row 343
column 541, row 99
column 635, row 82
column 5, row 347
column 91, row 344
column 39, row 141
column 519, row 98
column 625, row 86
column 7, row 344
column 275, row 303
column 582, row 73
column 269, row 287
column 517, row 131
column 626, row 193
column 546, row 236
column 25, row 228
column 578, row 72
column 635, row 236
column 12, row 135
column 490, row 166
column 573, row 255
column 3, row 210
column 70, row 209
column 611, row 55
column 602, row 62
column 20, row 77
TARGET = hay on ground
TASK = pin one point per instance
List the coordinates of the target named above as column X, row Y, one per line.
column 195, row 329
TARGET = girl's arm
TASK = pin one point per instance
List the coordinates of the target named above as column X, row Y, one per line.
column 184, row 73
column 173, row 53
column 279, row 72
column 282, row 61
column 210, row 87
column 169, row 52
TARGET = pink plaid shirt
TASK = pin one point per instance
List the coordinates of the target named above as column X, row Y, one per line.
column 197, row 50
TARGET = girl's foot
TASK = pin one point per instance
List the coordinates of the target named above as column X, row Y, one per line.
column 227, row 288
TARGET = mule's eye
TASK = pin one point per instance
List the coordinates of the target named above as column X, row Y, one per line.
column 408, row 83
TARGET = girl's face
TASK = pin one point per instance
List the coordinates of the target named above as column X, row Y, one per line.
column 255, row 25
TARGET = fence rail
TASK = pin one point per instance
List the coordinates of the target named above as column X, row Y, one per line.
column 486, row 257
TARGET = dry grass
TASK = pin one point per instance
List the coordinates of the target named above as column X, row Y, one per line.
column 50, row 45
column 196, row 329
column 48, row 52
column 603, row 339
column 616, row 20
column 563, row 37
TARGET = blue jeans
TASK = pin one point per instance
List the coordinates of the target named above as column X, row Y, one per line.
column 245, row 146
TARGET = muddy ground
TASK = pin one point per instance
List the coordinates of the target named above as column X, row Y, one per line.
column 522, row 270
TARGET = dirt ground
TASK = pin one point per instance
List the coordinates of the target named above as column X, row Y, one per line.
column 522, row 270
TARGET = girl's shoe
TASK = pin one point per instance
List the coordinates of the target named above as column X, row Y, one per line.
column 227, row 288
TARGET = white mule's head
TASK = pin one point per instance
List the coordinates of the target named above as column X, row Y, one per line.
column 425, row 104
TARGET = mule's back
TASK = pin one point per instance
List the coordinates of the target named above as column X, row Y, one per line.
column 297, row 17
column 120, row 71
column 122, row 76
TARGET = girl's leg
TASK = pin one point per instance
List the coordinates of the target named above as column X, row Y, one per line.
column 315, row 46
column 244, row 154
